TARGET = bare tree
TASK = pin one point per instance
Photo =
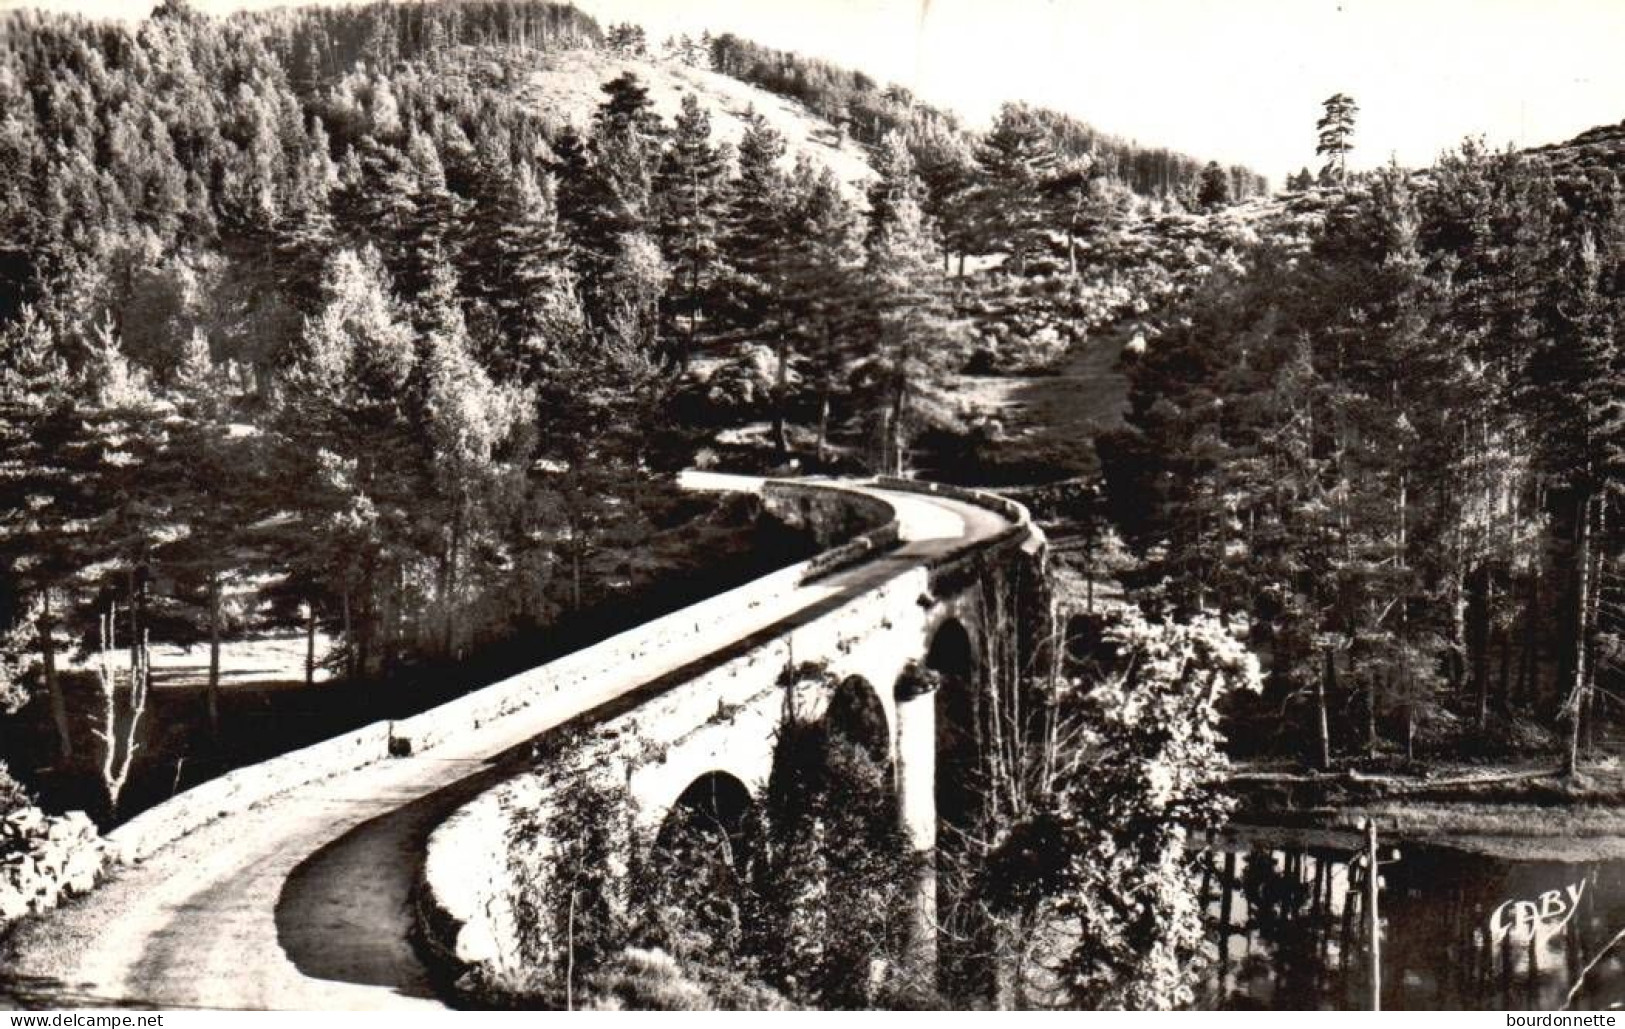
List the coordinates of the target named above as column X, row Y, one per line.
column 119, row 747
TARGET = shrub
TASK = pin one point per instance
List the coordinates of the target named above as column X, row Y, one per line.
column 13, row 795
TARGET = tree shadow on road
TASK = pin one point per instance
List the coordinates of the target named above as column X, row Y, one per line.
column 46, row 993
column 345, row 914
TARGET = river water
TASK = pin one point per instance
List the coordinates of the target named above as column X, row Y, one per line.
column 1458, row 929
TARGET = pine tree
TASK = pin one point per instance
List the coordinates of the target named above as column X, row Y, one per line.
column 517, row 256
column 610, row 185
column 1490, row 215
column 303, row 244
column 947, row 168
column 691, row 203
column 916, row 340
column 1397, row 378
column 760, row 247
column 1581, row 414
column 627, row 40
column 1214, row 190
column 120, row 452
column 579, row 199
column 214, row 477
column 465, row 421
column 352, row 478
column 38, row 544
column 1073, row 194
column 427, row 237
column 823, row 294
column 1017, row 160
column 627, row 139
column 635, row 282
column 897, row 183
column 374, row 202
column 1336, row 139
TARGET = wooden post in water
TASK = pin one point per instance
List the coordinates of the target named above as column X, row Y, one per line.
column 1371, row 882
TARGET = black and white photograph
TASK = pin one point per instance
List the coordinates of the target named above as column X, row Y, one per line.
column 811, row 505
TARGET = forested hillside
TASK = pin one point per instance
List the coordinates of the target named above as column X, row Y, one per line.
column 869, row 111
column 317, row 318
column 538, row 267
column 386, row 327
column 1389, row 443
column 389, row 322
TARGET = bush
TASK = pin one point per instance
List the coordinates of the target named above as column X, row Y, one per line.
column 13, row 795
column 652, row 980
column 645, row 980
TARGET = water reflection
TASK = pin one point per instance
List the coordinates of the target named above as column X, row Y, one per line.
column 1292, row 930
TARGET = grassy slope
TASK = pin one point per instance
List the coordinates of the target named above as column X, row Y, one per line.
column 276, row 657
column 1052, row 416
column 569, row 88
column 1086, row 394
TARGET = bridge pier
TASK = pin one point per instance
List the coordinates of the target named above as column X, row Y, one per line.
column 917, row 812
column 684, row 719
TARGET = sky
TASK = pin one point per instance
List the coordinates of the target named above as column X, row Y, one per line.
column 1236, row 80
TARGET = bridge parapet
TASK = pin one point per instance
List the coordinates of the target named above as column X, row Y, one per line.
column 1012, row 510
column 239, row 790
column 866, row 523
column 950, row 571
column 571, row 676
column 833, row 514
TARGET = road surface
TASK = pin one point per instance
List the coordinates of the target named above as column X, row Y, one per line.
column 303, row 902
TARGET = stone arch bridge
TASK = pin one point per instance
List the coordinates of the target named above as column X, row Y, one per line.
column 321, row 879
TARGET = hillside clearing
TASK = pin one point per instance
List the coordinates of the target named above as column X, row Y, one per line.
column 568, row 88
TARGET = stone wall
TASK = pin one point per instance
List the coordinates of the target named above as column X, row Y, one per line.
column 44, row 859
column 1016, row 513
column 852, row 527
column 466, row 869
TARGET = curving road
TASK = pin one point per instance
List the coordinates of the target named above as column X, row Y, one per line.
column 304, row 902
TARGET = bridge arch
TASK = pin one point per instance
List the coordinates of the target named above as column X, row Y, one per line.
column 856, row 714
column 952, row 665
column 951, row 661
column 952, row 651
column 698, row 865
column 716, row 805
